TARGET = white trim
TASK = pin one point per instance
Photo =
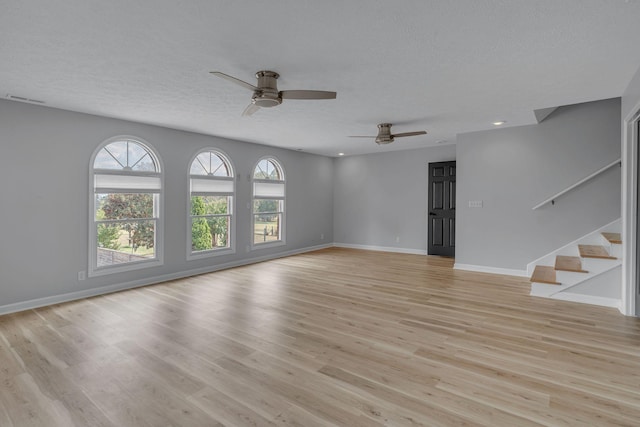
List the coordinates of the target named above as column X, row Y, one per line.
column 71, row 296
column 124, row 267
column 92, row 269
column 492, row 270
column 629, row 210
column 265, row 245
column 234, row 177
column 588, row 299
column 531, row 266
column 597, row 269
column 381, row 248
column 210, row 253
column 282, row 210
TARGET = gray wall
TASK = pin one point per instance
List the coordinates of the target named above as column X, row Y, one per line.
column 381, row 197
column 44, row 188
column 369, row 200
column 512, row 169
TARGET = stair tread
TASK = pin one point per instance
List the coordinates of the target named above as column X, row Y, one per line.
column 544, row 274
column 594, row 251
column 613, row 238
column 569, row 263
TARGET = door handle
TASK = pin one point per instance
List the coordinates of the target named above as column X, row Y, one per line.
column 432, row 214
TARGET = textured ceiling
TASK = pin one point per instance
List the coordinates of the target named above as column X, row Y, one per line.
column 443, row 66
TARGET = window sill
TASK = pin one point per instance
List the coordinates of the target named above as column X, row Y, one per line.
column 212, row 253
column 256, row 246
column 103, row 271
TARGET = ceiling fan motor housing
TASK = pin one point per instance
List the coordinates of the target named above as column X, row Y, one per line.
column 384, row 134
column 267, row 95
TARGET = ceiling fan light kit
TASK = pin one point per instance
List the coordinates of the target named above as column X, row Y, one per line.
column 267, row 95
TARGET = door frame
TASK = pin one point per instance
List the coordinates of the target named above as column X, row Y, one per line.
column 630, row 229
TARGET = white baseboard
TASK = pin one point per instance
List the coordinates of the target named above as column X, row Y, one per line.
column 589, row 299
column 381, row 248
column 71, row 296
column 492, row 270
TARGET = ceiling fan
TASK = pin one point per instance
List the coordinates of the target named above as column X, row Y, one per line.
column 266, row 93
column 385, row 137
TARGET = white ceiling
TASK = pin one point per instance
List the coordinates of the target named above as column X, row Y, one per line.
column 446, row 66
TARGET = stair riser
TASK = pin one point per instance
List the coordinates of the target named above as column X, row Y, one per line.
column 542, row 289
column 615, row 250
column 597, row 265
column 569, row 277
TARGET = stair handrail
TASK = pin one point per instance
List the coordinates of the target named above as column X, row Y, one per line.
column 553, row 198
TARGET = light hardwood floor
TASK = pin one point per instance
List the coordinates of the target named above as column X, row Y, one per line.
column 335, row 337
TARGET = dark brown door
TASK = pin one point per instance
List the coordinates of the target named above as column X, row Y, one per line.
column 442, row 209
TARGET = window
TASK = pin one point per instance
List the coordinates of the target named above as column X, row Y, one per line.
column 125, row 207
column 268, row 203
column 210, row 205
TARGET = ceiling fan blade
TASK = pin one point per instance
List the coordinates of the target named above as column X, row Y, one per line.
column 251, row 108
column 361, row 136
column 307, row 94
column 234, row 80
column 400, row 135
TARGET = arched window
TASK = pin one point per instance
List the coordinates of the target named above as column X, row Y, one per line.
column 268, row 203
column 212, row 188
column 125, row 221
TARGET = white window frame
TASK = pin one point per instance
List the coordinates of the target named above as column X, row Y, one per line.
column 191, row 255
column 93, row 269
column 283, row 212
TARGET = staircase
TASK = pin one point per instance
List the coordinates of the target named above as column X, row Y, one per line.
column 587, row 270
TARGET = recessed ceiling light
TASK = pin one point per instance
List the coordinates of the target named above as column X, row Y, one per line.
column 499, row 123
column 441, row 141
column 340, row 154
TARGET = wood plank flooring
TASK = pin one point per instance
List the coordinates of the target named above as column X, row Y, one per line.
column 613, row 238
column 594, row 251
column 335, row 337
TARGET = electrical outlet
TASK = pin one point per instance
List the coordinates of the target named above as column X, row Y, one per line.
column 82, row 275
column 247, row 248
column 397, row 239
column 321, row 236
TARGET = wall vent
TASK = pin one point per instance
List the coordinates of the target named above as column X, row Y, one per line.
column 23, row 99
